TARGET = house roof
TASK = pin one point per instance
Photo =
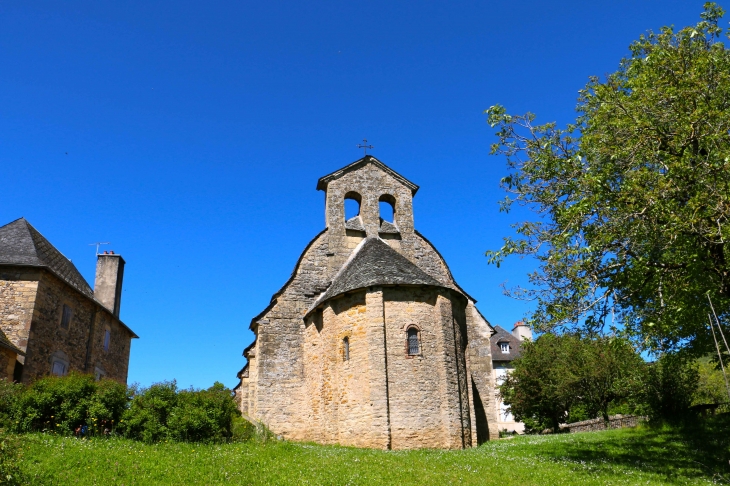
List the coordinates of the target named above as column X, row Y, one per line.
column 22, row 244
column 374, row 262
column 368, row 159
column 500, row 336
column 5, row 343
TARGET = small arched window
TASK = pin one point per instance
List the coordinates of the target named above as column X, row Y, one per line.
column 352, row 205
column 346, row 348
column 386, row 204
column 413, row 344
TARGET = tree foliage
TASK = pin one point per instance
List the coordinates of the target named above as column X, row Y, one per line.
column 710, row 384
column 557, row 375
column 632, row 199
column 671, row 384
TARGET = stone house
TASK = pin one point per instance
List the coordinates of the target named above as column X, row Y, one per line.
column 9, row 354
column 506, row 347
column 50, row 315
column 371, row 342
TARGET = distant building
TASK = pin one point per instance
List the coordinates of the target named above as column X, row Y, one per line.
column 51, row 321
column 507, row 347
column 371, row 342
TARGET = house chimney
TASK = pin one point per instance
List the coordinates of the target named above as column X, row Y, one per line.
column 108, row 283
column 522, row 331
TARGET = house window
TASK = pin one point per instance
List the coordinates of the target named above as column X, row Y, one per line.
column 414, row 347
column 59, row 363
column 346, row 348
column 107, row 338
column 59, row 368
column 504, row 347
column 66, row 315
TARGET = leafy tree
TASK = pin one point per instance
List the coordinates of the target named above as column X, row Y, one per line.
column 633, row 198
column 710, row 384
column 610, row 372
column 567, row 378
column 540, row 390
column 670, row 385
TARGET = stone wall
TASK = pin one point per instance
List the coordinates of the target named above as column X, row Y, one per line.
column 46, row 334
column 429, row 404
column 7, row 363
column 392, row 400
column 338, row 389
column 113, row 363
column 18, row 288
column 31, row 304
column 481, row 380
column 242, row 396
column 614, row 422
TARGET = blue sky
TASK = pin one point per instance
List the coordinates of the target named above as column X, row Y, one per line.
column 191, row 136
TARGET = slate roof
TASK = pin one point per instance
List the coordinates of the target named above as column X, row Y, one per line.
column 374, row 262
column 354, row 223
column 501, row 335
column 386, row 227
column 368, row 159
column 5, row 343
column 22, row 244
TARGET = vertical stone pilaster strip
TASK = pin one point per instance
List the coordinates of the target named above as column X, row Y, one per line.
column 451, row 410
column 379, row 399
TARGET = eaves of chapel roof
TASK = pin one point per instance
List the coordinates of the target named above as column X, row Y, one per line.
column 374, row 262
column 368, row 159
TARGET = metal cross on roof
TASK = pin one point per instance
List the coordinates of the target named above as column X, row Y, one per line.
column 364, row 146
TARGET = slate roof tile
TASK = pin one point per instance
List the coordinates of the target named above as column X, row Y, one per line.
column 354, row 223
column 374, row 262
column 501, row 335
column 22, row 244
column 388, row 228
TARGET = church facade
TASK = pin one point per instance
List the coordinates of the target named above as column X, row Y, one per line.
column 371, row 342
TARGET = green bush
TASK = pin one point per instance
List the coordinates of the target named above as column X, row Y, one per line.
column 162, row 412
column 146, row 418
column 242, row 430
column 9, row 395
column 61, row 404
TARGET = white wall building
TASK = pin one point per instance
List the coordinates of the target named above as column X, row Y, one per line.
column 507, row 347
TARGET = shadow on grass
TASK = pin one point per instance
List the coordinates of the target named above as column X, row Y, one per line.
column 691, row 450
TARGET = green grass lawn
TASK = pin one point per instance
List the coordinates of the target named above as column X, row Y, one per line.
column 688, row 455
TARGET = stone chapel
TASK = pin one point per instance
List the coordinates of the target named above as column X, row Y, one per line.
column 371, row 342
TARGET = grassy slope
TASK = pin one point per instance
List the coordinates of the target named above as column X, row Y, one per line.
column 695, row 455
